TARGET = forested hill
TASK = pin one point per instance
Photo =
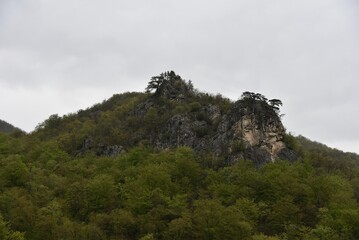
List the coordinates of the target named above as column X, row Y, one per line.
column 7, row 127
column 172, row 114
column 175, row 163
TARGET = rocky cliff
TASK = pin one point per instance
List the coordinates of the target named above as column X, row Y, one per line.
column 250, row 129
column 173, row 114
column 234, row 137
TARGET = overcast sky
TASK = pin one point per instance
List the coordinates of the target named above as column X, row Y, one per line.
column 61, row 56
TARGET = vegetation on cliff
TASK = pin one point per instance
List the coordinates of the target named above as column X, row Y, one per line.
column 67, row 180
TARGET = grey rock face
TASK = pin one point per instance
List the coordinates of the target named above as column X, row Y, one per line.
column 241, row 134
column 101, row 149
column 87, row 144
column 247, row 129
column 251, row 129
column 287, row 154
column 111, row 151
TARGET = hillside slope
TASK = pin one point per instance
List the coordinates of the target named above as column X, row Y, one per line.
column 175, row 115
column 174, row 163
column 7, row 127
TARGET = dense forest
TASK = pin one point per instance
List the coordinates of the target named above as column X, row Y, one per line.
column 105, row 173
column 7, row 127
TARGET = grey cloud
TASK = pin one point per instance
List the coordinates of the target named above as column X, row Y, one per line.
column 303, row 52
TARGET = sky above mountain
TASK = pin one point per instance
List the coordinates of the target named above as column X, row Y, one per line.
column 60, row 56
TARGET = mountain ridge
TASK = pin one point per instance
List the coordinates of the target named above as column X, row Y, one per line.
column 6, row 127
column 173, row 114
column 125, row 169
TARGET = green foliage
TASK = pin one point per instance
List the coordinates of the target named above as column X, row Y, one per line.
column 194, row 106
column 264, row 237
column 201, row 131
column 170, row 85
column 13, row 171
column 238, row 146
column 147, row 237
column 203, row 116
column 264, row 109
column 8, row 128
column 173, row 194
column 52, row 187
column 291, row 142
column 7, row 234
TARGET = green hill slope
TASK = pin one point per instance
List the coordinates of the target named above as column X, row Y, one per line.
column 7, row 127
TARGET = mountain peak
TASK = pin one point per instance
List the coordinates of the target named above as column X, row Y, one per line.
column 170, row 85
column 172, row 114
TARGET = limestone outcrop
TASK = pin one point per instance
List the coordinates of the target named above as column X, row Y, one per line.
column 174, row 115
column 240, row 134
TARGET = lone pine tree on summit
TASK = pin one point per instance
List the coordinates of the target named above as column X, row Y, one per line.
column 251, row 98
column 157, row 81
column 275, row 103
column 170, row 85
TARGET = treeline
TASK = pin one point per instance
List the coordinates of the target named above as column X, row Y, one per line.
column 7, row 127
column 45, row 193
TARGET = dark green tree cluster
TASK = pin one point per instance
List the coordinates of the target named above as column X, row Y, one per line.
column 157, row 83
column 7, row 127
column 171, row 86
column 259, row 102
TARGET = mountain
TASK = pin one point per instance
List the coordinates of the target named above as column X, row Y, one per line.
column 175, row 115
column 175, row 163
column 7, row 127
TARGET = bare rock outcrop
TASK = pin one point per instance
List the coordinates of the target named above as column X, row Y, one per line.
column 240, row 134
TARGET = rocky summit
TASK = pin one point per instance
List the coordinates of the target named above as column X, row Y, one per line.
column 250, row 129
column 170, row 114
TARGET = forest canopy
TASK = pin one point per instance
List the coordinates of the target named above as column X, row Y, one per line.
column 173, row 194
